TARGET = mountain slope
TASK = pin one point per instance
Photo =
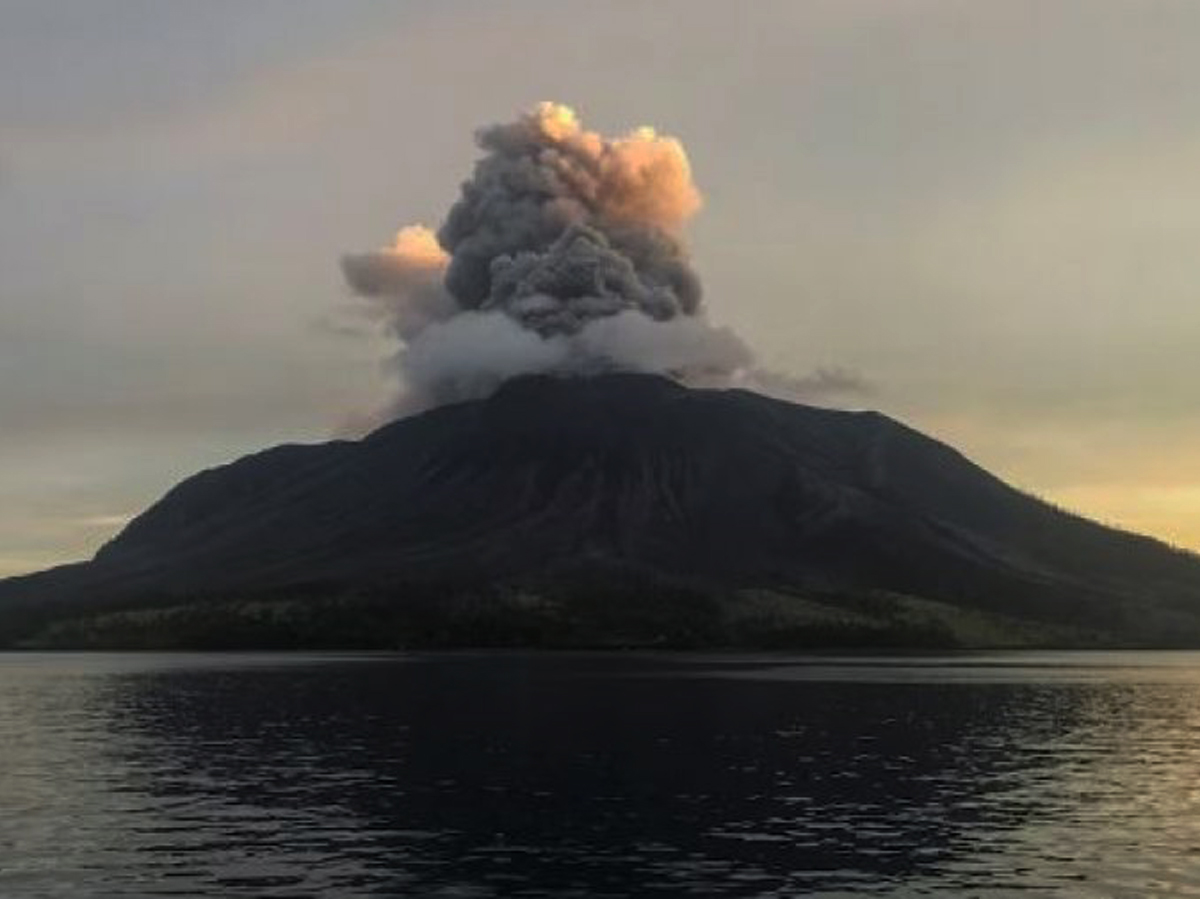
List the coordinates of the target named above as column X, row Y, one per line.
column 559, row 484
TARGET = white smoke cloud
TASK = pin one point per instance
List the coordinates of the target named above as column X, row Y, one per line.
column 688, row 348
column 563, row 254
column 472, row 354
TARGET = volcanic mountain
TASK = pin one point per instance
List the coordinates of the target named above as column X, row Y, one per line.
column 622, row 509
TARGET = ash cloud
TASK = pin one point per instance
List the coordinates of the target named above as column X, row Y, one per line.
column 563, row 254
column 403, row 282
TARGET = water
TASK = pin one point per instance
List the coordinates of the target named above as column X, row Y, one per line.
column 1062, row 774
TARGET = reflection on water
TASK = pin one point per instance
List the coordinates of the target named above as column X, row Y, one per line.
column 1066, row 774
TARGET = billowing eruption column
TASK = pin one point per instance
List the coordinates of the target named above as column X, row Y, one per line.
column 563, row 254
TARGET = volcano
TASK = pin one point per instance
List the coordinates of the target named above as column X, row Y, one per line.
column 619, row 508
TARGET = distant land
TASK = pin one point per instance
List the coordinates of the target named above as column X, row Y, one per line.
column 620, row 510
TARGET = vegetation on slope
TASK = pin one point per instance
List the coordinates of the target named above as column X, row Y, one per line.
column 662, row 616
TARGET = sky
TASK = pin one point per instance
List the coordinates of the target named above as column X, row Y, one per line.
column 987, row 210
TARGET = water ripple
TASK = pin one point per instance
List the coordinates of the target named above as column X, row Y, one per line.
column 1067, row 774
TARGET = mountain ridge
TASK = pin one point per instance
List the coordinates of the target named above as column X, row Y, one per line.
column 558, row 487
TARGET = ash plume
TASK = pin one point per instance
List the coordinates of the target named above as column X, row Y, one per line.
column 563, row 254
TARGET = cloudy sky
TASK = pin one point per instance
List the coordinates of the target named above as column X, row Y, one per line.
column 990, row 210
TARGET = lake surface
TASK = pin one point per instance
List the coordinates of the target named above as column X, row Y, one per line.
column 1025, row 773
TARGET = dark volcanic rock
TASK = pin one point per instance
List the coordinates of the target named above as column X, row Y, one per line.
column 557, row 479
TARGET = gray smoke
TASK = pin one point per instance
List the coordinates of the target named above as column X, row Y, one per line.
column 563, row 254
